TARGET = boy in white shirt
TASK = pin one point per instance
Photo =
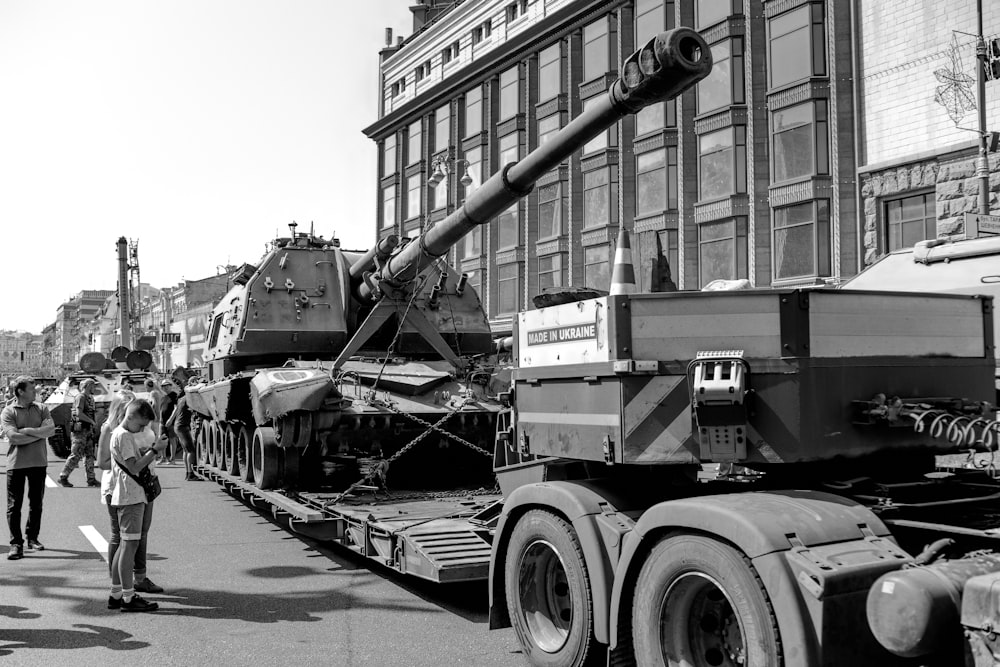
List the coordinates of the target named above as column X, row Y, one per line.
column 132, row 447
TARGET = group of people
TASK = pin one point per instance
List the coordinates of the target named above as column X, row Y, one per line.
column 132, row 438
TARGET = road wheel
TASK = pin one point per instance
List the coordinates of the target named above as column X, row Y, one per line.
column 548, row 592
column 222, row 437
column 213, row 436
column 244, row 442
column 232, row 461
column 59, row 443
column 203, row 444
column 266, row 464
column 699, row 603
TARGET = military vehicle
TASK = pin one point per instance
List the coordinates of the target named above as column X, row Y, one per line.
column 108, row 379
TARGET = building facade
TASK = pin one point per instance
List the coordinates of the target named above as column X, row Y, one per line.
column 749, row 175
column 73, row 330
column 920, row 142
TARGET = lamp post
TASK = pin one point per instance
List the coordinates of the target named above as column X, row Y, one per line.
column 441, row 167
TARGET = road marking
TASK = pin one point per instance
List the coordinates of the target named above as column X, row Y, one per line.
column 96, row 539
column 49, row 482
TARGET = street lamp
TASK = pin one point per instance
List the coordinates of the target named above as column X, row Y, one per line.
column 442, row 168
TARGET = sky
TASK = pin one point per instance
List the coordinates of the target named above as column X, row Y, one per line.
column 198, row 128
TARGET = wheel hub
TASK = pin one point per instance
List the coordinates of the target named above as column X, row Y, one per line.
column 545, row 596
column 698, row 626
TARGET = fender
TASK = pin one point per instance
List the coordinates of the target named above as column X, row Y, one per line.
column 583, row 504
column 762, row 525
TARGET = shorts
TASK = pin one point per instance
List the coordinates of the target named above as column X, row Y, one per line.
column 187, row 442
column 130, row 520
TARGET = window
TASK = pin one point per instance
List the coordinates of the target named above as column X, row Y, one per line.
column 549, row 72
column 799, row 142
column 656, row 181
column 509, row 97
column 422, row 70
column 507, row 289
column 413, row 206
column 474, row 111
column 472, row 244
column 670, row 241
column 549, row 211
column 802, row 240
column 910, row 219
column 388, row 206
column 796, row 47
column 722, row 250
column 709, row 12
column 442, row 128
column 508, row 232
column 389, row 155
column 550, row 272
column 722, row 163
column 602, row 140
column 516, row 9
column 724, row 85
column 216, row 329
column 547, row 127
column 596, row 53
column 482, row 32
column 450, row 53
column 413, row 147
column 399, row 87
column 651, row 18
column 475, row 279
column 596, row 268
column 597, row 198
column 509, row 145
column 475, row 168
column 440, row 194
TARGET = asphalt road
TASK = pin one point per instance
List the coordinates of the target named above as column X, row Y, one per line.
column 240, row 590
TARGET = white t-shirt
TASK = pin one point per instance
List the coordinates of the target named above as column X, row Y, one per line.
column 126, row 445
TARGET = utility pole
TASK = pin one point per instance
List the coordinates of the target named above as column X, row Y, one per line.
column 982, row 163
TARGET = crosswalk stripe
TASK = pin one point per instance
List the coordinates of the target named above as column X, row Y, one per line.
column 49, row 482
column 96, row 539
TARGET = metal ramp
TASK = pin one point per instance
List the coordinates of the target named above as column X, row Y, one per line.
column 453, row 554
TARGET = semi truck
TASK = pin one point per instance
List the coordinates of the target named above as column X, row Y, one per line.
column 832, row 537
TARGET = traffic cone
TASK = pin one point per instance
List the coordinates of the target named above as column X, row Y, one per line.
column 623, row 274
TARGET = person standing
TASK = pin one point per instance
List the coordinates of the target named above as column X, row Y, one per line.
column 180, row 424
column 167, row 404
column 83, row 433
column 130, row 454
column 26, row 425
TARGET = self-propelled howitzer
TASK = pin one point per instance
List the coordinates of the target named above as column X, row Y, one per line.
column 339, row 373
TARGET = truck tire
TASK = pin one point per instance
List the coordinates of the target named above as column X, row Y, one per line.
column 59, row 443
column 699, row 603
column 548, row 592
column 265, row 462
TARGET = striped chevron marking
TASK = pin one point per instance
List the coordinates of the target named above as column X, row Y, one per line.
column 658, row 420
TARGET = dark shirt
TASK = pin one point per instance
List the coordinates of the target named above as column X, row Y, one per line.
column 167, row 404
column 182, row 422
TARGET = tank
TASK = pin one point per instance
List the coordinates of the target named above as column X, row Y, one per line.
column 327, row 367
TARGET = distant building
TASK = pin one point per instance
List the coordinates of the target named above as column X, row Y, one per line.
column 23, row 353
column 72, row 331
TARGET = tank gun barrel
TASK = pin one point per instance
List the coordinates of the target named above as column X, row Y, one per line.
column 375, row 256
column 662, row 69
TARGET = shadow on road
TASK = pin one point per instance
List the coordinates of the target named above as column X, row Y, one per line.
column 61, row 638
column 17, row 613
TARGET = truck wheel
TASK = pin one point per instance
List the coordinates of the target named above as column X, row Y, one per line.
column 548, row 592
column 699, row 603
column 58, row 443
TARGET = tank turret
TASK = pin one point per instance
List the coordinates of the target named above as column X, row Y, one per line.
column 663, row 68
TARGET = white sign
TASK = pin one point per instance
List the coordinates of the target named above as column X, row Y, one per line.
column 978, row 225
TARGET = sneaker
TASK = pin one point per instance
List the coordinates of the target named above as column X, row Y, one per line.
column 62, row 481
column 93, row 482
column 115, row 603
column 35, row 545
column 138, row 604
column 147, row 586
column 16, row 552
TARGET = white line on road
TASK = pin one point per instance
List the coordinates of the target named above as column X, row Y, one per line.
column 96, row 539
column 49, row 482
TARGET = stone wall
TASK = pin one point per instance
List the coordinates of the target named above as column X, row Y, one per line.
column 956, row 190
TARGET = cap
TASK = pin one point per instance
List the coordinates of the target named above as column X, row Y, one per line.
column 166, row 383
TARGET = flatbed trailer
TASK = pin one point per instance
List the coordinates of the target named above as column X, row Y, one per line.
column 442, row 537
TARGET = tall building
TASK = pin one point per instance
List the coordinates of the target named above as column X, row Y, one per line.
column 749, row 175
column 828, row 134
column 73, row 325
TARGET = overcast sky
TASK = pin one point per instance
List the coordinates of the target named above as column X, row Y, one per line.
column 197, row 127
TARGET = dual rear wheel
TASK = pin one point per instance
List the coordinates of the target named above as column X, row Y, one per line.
column 698, row 602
